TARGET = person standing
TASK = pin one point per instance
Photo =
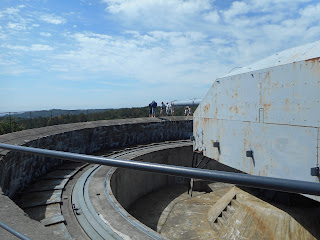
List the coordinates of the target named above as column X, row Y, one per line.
column 163, row 109
column 150, row 109
column 154, row 108
column 168, row 109
column 172, row 109
column 186, row 111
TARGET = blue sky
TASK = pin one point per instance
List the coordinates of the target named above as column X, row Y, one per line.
column 77, row 54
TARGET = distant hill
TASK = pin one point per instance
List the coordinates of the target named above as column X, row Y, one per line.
column 54, row 113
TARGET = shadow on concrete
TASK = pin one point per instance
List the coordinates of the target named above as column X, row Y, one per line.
column 149, row 208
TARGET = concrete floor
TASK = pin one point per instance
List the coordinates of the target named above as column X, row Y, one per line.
column 177, row 215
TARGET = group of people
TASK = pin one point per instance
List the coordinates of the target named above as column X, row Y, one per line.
column 166, row 109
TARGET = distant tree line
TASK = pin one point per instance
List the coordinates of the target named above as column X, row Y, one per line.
column 10, row 123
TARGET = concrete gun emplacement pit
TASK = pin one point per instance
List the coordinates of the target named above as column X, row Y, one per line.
column 261, row 120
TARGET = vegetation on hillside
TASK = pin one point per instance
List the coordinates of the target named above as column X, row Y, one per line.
column 11, row 123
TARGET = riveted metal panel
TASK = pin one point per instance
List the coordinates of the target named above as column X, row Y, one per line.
column 271, row 108
column 278, row 150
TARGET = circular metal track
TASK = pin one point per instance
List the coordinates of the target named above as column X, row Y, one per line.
column 93, row 224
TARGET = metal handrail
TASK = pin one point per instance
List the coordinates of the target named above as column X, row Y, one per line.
column 14, row 232
column 278, row 184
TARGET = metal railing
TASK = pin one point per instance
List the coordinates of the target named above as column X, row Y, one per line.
column 14, row 232
column 278, row 184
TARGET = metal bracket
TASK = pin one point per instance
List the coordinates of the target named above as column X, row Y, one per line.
column 249, row 153
column 192, row 138
column 76, row 210
column 216, row 144
column 315, row 171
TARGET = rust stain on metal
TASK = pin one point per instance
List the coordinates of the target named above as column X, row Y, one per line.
column 294, row 66
column 236, row 109
column 275, row 85
column 207, row 107
column 266, row 106
column 314, row 60
column 244, row 149
column 196, row 124
column 280, row 94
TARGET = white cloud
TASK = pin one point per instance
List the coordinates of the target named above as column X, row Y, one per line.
column 33, row 47
column 40, row 47
column 133, row 8
column 12, row 10
column 171, row 58
column 183, row 44
column 212, row 17
column 311, row 13
column 45, row 34
column 219, row 41
column 235, row 36
column 15, row 47
column 50, row 18
column 236, row 9
column 160, row 14
column 16, row 26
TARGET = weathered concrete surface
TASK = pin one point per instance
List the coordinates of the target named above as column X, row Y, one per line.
column 13, row 216
column 129, row 185
column 42, row 203
column 215, row 211
column 18, row 170
column 185, row 217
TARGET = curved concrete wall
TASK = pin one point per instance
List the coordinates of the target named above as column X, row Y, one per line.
column 18, row 170
column 129, row 185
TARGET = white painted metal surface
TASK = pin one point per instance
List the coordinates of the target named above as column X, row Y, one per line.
column 270, row 107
